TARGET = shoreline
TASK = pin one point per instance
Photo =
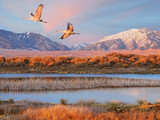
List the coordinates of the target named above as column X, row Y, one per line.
column 68, row 69
column 29, row 110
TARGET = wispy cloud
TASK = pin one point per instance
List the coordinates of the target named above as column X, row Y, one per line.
column 64, row 12
column 55, row 12
column 123, row 15
column 128, row 13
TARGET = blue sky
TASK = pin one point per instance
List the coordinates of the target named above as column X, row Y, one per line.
column 94, row 19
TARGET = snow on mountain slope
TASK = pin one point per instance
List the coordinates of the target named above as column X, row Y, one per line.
column 130, row 40
column 79, row 46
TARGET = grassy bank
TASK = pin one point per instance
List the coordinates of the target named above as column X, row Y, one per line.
column 83, row 110
column 81, row 69
column 71, row 83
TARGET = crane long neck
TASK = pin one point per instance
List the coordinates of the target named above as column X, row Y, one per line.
column 27, row 18
column 75, row 33
column 60, row 31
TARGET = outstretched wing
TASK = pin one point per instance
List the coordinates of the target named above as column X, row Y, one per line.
column 32, row 15
column 39, row 11
column 65, row 35
column 70, row 27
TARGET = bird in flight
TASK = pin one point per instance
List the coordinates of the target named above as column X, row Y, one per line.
column 68, row 32
column 37, row 16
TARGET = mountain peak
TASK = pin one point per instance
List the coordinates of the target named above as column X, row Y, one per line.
column 130, row 39
column 128, row 33
column 29, row 41
column 145, row 30
column 27, row 33
column 79, row 46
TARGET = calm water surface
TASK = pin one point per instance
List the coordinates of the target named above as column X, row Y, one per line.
column 127, row 95
column 138, row 76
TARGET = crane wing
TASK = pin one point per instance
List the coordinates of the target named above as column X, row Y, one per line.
column 65, row 35
column 32, row 15
column 39, row 11
column 70, row 27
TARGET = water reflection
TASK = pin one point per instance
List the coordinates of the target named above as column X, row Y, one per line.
column 127, row 95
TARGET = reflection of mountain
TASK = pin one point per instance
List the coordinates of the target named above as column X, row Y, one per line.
column 150, row 94
column 133, row 92
column 132, row 39
column 29, row 41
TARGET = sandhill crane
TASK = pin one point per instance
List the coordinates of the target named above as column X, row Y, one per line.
column 37, row 16
column 68, row 32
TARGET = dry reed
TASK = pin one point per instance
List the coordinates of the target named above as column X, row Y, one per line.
column 72, row 83
column 60, row 112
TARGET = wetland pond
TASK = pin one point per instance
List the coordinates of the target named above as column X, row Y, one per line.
column 102, row 95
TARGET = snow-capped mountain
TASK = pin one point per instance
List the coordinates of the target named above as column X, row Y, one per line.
column 79, row 46
column 130, row 40
column 29, row 41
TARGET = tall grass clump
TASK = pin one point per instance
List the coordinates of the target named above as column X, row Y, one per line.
column 86, row 103
column 63, row 101
column 141, row 101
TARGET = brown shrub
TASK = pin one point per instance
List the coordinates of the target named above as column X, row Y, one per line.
column 132, row 59
column 152, row 60
column 113, row 59
column 114, row 54
column 2, row 60
column 142, row 61
column 61, row 112
column 79, row 60
column 157, row 57
column 34, row 61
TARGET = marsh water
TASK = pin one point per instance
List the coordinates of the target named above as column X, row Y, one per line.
column 126, row 95
column 136, row 76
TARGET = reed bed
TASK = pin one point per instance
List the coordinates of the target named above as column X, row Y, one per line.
column 71, row 83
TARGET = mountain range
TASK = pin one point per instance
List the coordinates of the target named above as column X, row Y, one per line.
column 79, row 46
column 132, row 39
column 28, row 41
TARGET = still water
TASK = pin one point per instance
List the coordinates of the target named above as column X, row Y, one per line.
column 127, row 95
column 136, row 76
